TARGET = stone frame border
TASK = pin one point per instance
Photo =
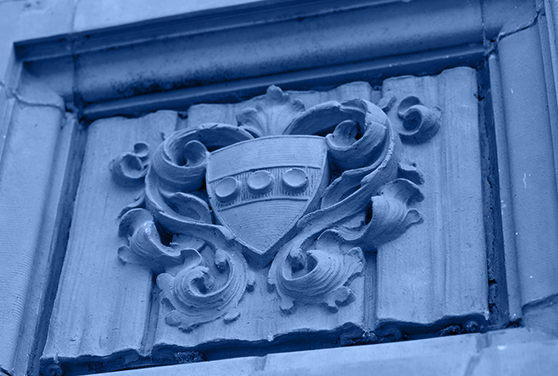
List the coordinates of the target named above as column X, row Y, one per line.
column 517, row 39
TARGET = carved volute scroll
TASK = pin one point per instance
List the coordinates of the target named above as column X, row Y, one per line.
column 299, row 194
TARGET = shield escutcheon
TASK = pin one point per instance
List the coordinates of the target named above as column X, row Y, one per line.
column 260, row 188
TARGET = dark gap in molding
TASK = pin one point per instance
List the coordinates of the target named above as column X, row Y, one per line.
column 72, row 177
column 230, row 349
column 152, row 319
column 496, row 267
column 491, row 204
column 191, row 24
column 173, row 355
column 430, row 62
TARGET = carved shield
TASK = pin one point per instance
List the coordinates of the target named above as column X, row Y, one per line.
column 260, row 188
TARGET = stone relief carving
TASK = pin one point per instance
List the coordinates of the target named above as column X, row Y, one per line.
column 308, row 191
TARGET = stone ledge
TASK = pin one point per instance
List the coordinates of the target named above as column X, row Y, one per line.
column 510, row 352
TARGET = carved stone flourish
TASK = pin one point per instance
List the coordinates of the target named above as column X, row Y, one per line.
column 129, row 169
column 308, row 191
column 145, row 247
column 272, row 116
column 319, row 275
column 420, row 123
column 195, row 295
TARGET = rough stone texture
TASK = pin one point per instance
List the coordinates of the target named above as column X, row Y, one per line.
column 532, row 177
column 91, row 15
column 226, row 113
column 510, row 352
column 423, row 282
column 29, row 150
column 506, row 207
column 102, row 304
column 11, row 12
column 270, row 48
column 438, row 269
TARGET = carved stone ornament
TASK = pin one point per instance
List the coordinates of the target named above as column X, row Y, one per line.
column 307, row 190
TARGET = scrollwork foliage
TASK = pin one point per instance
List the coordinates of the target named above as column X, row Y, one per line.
column 194, row 294
column 319, row 275
column 201, row 266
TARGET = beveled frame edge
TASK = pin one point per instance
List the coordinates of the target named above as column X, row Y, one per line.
column 514, row 351
column 539, row 36
column 523, row 75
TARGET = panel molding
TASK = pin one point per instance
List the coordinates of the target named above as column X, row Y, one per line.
column 509, row 352
column 42, row 58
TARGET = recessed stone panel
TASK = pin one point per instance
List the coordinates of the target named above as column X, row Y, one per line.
column 293, row 220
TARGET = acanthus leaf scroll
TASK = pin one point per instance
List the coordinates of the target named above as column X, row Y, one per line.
column 300, row 193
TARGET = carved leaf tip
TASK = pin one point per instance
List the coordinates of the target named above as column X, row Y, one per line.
column 194, row 295
column 386, row 103
column 129, row 169
column 391, row 215
column 188, row 206
column 272, row 115
column 145, row 247
column 320, row 275
column 408, row 170
column 138, row 203
column 420, row 123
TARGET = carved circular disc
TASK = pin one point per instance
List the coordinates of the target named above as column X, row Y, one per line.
column 227, row 188
column 259, row 181
column 295, row 178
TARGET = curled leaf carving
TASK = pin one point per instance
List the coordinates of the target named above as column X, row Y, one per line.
column 188, row 206
column 322, row 118
column 145, row 246
column 386, row 103
column 356, row 142
column 193, row 224
column 195, row 295
column 318, row 275
column 180, row 164
column 178, row 168
column 406, row 103
column 175, row 202
column 129, row 169
column 391, row 215
column 376, row 149
column 420, row 123
column 408, row 170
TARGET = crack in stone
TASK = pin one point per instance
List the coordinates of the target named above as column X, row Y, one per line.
column 473, row 362
column 260, row 363
column 541, row 304
column 494, row 43
column 75, row 79
column 35, row 104
column 483, row 342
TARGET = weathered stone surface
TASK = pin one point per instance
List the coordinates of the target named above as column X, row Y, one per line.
column 532, row 177
column 91, row 15
column 260, row 321
column 259, row 222
column 102, row 304
column 491, row 26
column 226, row 113
column 28, row 149
column 438, row 269
column 509, row 352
